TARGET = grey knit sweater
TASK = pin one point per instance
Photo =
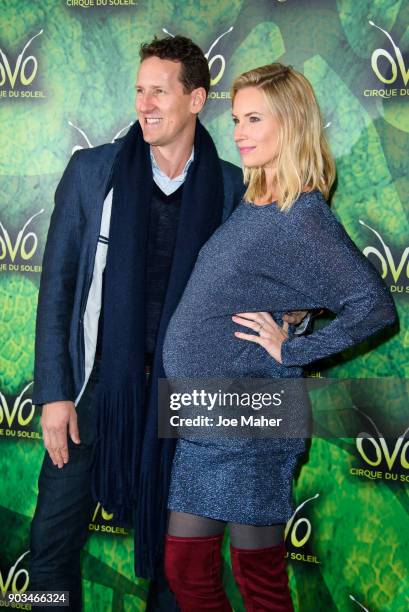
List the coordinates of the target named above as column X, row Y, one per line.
column 263, row 259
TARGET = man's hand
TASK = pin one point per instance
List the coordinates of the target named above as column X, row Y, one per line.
column 56, row 417
column 294, row 317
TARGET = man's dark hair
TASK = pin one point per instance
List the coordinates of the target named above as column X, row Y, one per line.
column 194, row 70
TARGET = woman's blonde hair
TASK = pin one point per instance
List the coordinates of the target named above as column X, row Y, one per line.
column 304, row 160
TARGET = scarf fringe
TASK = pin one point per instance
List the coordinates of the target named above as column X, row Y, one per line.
column 151, row 519
column 117, row 457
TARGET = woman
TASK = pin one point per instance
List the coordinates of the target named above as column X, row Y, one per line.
column 281, row 249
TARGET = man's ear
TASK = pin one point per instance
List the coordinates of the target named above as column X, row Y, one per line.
column 197, row 100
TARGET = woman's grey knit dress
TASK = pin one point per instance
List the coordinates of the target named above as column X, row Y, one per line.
column 263, row 259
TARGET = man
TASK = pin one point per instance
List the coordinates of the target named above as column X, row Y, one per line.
column 154, row 197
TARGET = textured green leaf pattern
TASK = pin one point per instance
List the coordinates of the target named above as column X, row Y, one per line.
column 18, row 298
column 87, row 64
column 361, row 530
column 354, row 18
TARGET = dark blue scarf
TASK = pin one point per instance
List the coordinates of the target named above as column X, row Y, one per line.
column 132, row 466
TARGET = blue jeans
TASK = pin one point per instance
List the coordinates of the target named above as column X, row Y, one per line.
column 64, row 509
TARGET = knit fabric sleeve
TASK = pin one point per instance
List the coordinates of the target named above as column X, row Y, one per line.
column 53, row 379
column 333, row 271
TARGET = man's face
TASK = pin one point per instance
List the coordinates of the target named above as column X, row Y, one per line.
column 164, row 110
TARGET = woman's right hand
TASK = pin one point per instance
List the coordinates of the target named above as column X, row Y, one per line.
column 270, row 335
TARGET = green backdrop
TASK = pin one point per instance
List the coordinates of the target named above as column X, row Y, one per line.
column 67, row 74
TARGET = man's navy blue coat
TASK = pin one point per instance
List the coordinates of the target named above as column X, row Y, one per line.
column 74, row 258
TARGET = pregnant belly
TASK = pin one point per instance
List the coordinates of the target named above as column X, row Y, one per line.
column 209, row 349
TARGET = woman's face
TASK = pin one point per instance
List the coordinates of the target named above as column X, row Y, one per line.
column 256, row 129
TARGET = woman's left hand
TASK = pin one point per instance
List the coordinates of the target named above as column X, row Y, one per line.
column 269, row 335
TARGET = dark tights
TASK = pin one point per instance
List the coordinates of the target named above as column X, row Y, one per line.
column 186, row 525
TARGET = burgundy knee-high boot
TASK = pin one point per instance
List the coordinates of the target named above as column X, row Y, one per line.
column 193, row 571
column 262, row 578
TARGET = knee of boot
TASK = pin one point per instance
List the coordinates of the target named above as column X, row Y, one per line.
column 187, row 558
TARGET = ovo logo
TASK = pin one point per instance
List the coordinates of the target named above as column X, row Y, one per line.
column 104, row 514
column 25, row 244
column 386, row 259
column 390, row 59
column 299, row 531
column 26, row 68
column 23, row 409
column 99, row 521
column 13, row 576
column 89, row 144
column 215, row 59
column 379, row 448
